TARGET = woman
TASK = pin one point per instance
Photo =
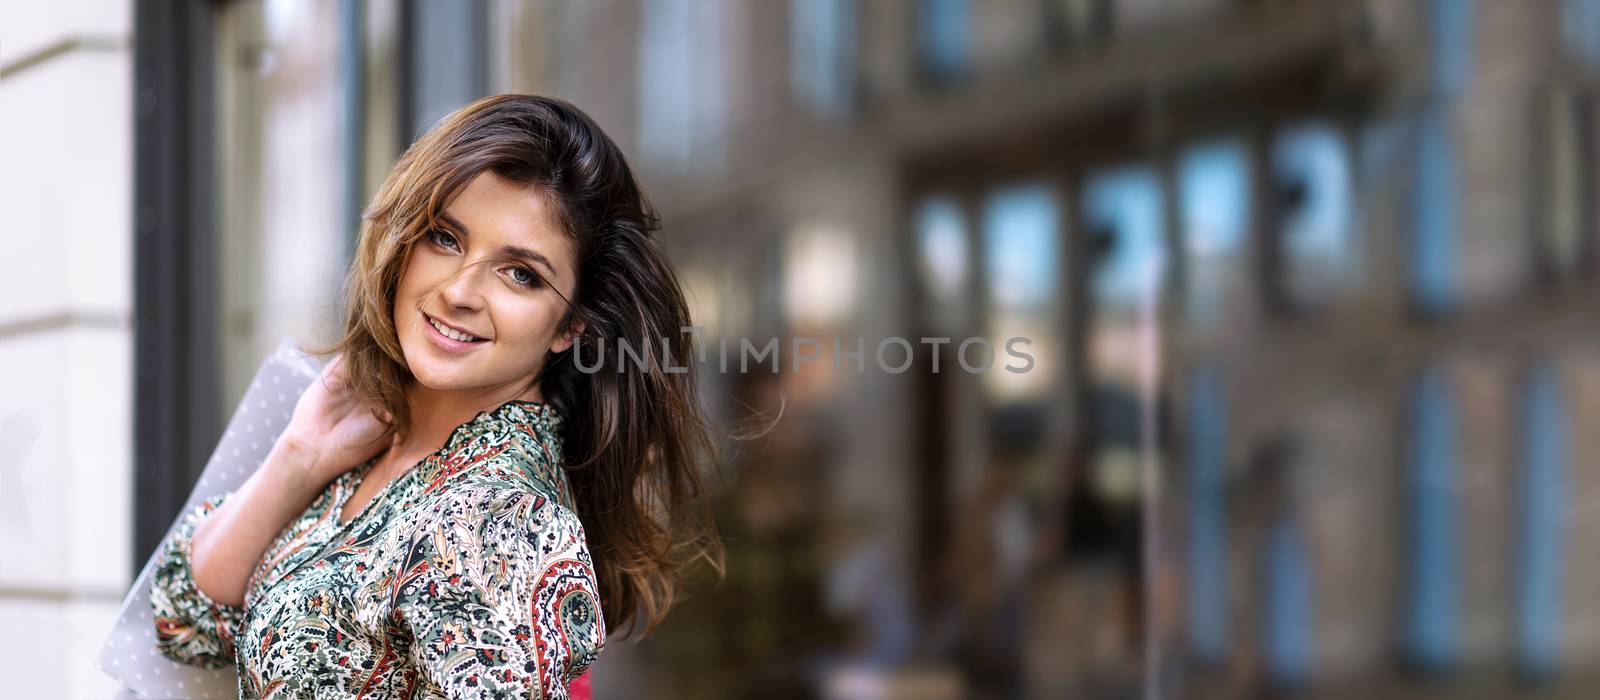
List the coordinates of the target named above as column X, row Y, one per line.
column 459, row 507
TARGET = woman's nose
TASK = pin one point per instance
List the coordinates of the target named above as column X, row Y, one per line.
column 462, row 289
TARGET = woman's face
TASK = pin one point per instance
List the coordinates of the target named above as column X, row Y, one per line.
column 487, row 272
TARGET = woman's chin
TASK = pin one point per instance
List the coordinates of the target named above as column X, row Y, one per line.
column 436, row 378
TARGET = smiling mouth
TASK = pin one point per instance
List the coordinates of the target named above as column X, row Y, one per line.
column 451, row 333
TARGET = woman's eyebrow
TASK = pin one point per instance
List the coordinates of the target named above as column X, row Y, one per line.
column 514, row 251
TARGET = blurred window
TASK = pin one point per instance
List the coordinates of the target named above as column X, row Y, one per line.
column 1214, row 201
column 681, row 89
column 1567, row 238
column 1208, row 608
column 1580, row 30
column 942, row 247
column 1291, row 606
column 1020, row 226
column 1541, row 513
column 1021, row 234
column 448, row 62
column 1431, row 606
column 1311, row 177
column 1125, row 253
column 944, row 38
column 1122, row 217
column 1432, row 254
column 1122, row 213
column 1451, row 23
column 823, row 54
column 282, row 168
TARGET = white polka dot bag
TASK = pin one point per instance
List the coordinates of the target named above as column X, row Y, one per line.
column 129, row 654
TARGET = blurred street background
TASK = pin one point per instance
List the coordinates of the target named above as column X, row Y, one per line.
column 1310, row 288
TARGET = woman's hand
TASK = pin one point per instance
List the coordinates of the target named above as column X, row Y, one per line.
column 330, row 433
column 335, row 430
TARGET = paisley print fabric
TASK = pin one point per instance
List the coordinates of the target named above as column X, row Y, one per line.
column 468, row 576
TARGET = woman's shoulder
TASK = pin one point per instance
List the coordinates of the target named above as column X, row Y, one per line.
column 505, row 509
column 515, row 475
column 503, row 517
column 515, row 451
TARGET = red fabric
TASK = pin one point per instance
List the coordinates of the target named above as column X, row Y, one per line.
column 579, row 688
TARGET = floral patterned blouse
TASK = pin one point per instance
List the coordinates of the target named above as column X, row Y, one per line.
column 467, row 576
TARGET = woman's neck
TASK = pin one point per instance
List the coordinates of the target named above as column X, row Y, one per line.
column 435, row 414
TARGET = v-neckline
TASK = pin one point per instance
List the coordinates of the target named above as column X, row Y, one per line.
column 366, row 469
column 355, row 485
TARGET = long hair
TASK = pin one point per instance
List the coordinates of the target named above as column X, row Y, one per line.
column 635, row 436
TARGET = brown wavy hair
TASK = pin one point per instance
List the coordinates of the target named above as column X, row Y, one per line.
column 638, row 447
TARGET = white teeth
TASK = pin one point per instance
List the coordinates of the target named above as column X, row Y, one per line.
column 448, row 333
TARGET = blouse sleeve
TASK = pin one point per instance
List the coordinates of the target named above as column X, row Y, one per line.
column 499, row 595
column 191, row 628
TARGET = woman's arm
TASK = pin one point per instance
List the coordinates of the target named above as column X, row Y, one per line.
column 229, row 543
column 331, row 432
column 205, row 563
column 191, row 628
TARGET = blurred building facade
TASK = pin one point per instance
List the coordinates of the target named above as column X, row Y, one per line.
column 1303, row 283
column 1304, row 280
column 1317, row 268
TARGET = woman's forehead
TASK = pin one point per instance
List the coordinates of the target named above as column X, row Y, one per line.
column 496, row 211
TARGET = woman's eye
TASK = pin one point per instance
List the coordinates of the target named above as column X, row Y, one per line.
column 443, row 239
column 525, row 277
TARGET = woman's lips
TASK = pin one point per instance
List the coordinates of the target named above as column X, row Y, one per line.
column 447, row 343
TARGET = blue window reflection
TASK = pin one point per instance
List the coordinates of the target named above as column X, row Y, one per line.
column 1435, row 220
column 1451, row 22
column 944, row 37
column 1207, row 606
column 942, row 243
column 1020, row 225
column 1541, row 512
column 682, row 107
column 1214, row 201
column 1434, row 211
column 1291, row 604
column 1432, row 628
column 822, row 54
column 1580, row 29
column 1122, row 211
column 1318, row 244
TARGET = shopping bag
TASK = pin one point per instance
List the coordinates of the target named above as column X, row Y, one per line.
column 130, row 654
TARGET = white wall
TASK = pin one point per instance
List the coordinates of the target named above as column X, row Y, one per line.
column 66, row 457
